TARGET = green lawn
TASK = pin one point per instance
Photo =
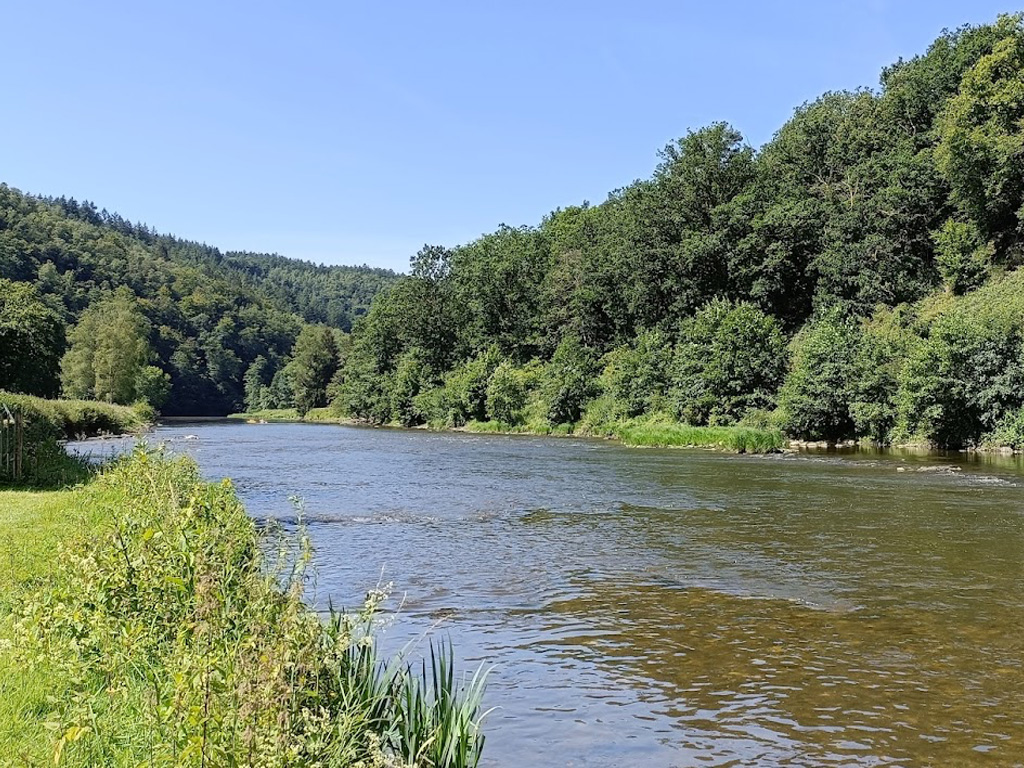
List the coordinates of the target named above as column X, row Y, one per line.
column 32, row 526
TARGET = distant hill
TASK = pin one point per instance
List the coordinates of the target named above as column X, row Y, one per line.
column 212, row 313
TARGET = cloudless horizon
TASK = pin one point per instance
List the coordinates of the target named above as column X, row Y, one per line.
column 351, row 133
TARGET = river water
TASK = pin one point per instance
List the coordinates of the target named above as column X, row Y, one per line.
column 673, row 607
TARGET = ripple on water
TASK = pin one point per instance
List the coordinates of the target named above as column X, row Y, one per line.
column 674, row 607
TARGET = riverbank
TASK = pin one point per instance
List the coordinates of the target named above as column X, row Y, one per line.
column 33, row 430
column 634, row 433
column 145, row 618
column 78, row 419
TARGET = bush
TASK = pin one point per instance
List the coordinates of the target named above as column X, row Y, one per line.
column 465, row 398
column 730, row 358
column 411, row 377
column 816, row 397
column 508, row 390
column 882, row 351
column 71, row 419
column 569, row 381
column 1009, row 432
column 960, row 381
column 636, row 375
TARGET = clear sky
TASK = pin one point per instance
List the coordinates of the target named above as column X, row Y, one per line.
column 351, row 132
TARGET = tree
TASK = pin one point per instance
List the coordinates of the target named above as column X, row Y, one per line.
column 153, row 386
column 108, row 350
column 315, row 360
column 981, row 148
column 31, row 341
column 570, row 381
column 730, row 358
column 816, row 397
column 256, row 381
column 636, row 375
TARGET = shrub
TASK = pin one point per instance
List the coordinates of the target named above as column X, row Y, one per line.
column 508, row 390
column 816, row 396
column 636, row 375
column 569, row 381
column 882, row 351
column 1008, row 433
column 959, row 382
column 730, row 358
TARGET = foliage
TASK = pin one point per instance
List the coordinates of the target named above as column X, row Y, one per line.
column 108, row 351
column 31, row 341
column 816, row 397
column 42, row 460
column 730, row 358
column 76, row 419
column 962, row 259
column 982, row 139
column 569, row 381
column 211, row 313
column 172, row 635
column 881, row 354
column 314, row 362
column 636, row 375
column 508, row 389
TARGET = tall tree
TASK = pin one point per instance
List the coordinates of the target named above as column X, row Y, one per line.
column 315, row 360
column 109, row 348
column 31, row 341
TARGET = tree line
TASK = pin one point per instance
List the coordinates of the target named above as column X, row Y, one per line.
column 855, row 277
column 95, row 306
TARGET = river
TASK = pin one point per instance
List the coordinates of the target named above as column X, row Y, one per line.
column 673, row 607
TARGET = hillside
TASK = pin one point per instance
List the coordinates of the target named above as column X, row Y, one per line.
column 209, row 315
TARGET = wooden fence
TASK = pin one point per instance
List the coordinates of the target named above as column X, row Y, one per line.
column 12, row 444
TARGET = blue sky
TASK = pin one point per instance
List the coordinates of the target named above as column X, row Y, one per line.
column 355, row 132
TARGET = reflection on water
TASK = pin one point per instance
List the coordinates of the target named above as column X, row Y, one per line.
column 663, row 607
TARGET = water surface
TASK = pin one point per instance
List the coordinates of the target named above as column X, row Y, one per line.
column 670, row 607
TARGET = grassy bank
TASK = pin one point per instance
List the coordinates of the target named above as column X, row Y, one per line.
column 654, row 433
column 733, row 438
column 31, row 454
column 73, row 419
column 316, row 415
column 145, row 620
column 657, row 432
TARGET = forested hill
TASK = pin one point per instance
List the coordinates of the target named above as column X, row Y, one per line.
column 854, row 277
column 206, row 316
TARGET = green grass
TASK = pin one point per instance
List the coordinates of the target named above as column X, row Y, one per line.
column 269, row 414
column 318, row 415
column 145, row 620
column 652, row 432
column 667, row 434
column 71, row 419
column 33, row 525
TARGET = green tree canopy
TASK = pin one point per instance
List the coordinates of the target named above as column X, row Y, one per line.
column 31, row 341
column 108, row 350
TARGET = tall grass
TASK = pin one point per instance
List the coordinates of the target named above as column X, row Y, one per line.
column 174, row 636
column 664, row 434
column 71, row 419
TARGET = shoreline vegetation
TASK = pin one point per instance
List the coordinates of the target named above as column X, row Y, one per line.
column 634, row 433
column 859, row 276
column 145, row 618
column 34, row 429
